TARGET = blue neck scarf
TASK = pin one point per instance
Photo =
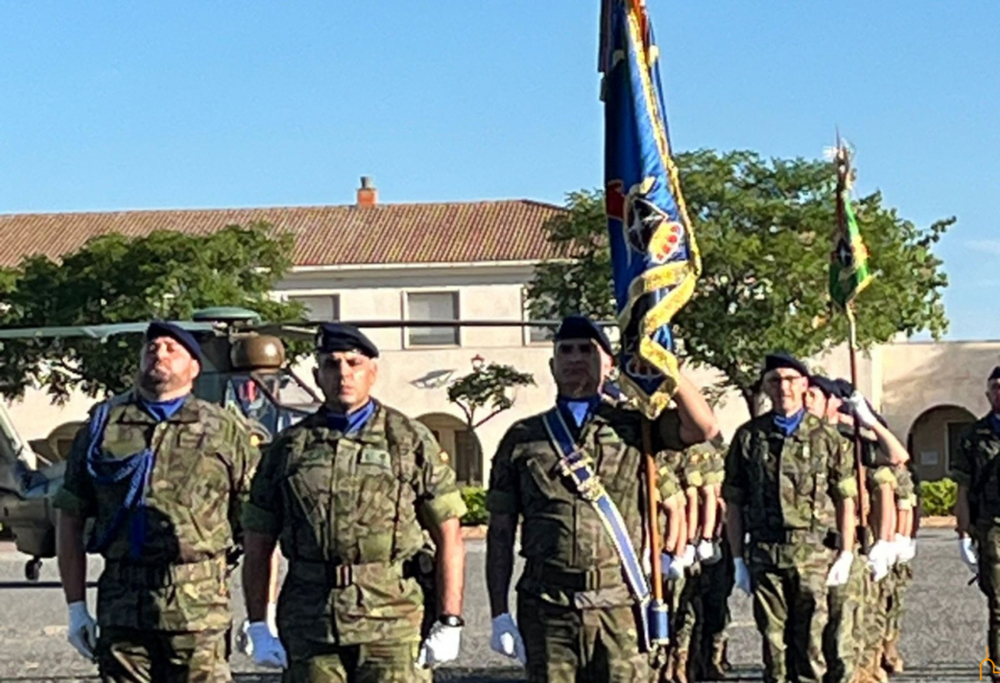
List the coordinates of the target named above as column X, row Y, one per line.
column 995, row 423
column 788, row 424
column 161, row 411
column 348, row 423
column 578, row 410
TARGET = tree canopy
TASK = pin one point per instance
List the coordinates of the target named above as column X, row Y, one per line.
column 764, row 227
column 113, row 279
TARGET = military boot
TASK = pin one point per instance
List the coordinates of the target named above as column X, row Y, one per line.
column 679, row 666
column 715, row 663
column 892, row 661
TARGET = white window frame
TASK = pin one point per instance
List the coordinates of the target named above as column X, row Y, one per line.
column 290, row 294
column 526, row 339
column 405, row 330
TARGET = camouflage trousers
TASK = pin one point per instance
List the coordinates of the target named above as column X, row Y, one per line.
column 790, row 608
column 716, row 586
column 988, row 543
column 686, row 610
column 378, row 662
column 902, row 576
column 846, row 605
column 142, row 656
column 569, row 645
column 872, row 635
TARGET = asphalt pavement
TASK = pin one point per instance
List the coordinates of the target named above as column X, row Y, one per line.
column 944, row 636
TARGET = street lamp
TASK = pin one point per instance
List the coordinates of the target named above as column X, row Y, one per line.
column 477, row 363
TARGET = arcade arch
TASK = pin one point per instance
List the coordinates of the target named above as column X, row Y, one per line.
column 934, row 438
column 460, row 443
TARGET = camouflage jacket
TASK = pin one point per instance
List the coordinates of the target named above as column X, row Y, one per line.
column 561, row 531
column 975, row 466
column 203, row 461
column 360, row 501
column 788, row 483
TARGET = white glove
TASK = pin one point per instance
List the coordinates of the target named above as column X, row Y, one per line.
column 742, row 578
column 859, row 406
column 243, row 642
column 506, row 639
column 267, row 649
column 968, row 552
column 880, row 558
column 906, row 548
column 709, row 552
column 442, row 645
column 82, row 632
column 689, row 556
column 840, row 572
column 672, row 567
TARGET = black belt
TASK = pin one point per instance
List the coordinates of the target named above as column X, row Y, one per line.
column 577, row 580
column 140, row 575
column 337, row 575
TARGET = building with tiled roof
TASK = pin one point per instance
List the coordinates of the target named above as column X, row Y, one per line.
column 473, row 261
column 365, row 233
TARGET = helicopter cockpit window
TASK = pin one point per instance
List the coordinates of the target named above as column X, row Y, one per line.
column 274, row 401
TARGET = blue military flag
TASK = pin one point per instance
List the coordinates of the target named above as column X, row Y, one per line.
column 653, row 251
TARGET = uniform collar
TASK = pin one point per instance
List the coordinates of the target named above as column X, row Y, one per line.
column 134, row 413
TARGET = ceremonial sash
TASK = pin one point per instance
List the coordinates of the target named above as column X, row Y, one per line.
column 105, row 471
column 574, row 466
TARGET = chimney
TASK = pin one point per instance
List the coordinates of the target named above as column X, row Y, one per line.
column 367, row 194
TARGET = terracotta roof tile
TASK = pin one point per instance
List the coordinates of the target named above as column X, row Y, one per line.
column 457, row 232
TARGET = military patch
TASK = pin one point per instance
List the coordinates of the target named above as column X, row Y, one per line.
column 375, row 456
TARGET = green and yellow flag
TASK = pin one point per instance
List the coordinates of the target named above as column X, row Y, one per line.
column 849, row 271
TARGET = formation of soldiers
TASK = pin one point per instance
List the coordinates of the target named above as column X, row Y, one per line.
column 364, row 506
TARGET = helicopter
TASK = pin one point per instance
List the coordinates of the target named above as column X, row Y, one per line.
column 245, row 369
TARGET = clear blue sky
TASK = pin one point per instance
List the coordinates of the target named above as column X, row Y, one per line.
column 114, row 105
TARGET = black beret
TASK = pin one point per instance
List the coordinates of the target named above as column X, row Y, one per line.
column 995, row 374
column 582, row 327
column 784, row 360
column 160, row 328
column 343, row 337
column 825, row 384
column 844, row 388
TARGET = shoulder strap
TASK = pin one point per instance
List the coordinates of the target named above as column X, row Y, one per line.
column 588, row 486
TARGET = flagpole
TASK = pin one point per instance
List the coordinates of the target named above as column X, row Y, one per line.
column 863, row 503
column 653, row 503
column 843, row 170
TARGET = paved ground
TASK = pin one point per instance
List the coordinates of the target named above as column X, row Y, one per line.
column 944, row 633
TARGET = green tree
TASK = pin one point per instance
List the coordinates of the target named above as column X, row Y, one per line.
column 114, row 278
column 764, row 229
column 490, row 386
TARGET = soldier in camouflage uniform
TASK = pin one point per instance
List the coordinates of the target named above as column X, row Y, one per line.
column 789, row 481
column 575, row 609
column 717, row 572
column 902, row 571
column 976, row 470
column 164, row 475
column 349, row 492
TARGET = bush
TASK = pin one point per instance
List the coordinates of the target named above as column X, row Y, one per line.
column 938, row 497
column 475, row 501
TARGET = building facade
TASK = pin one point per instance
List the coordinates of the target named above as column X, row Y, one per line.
column 473, row 262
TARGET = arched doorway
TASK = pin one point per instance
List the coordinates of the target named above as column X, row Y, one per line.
column 460, row 443
column 934, row 438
